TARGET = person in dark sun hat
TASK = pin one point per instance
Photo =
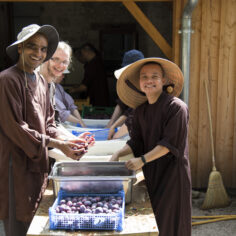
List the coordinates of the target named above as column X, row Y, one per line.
column 122, row 115
column 159, row 139
column 27, row 128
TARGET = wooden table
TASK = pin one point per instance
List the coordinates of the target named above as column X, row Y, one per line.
column 139, row 220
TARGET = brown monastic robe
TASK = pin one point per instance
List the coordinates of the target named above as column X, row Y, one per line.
column 26, row 123
column 168, row 178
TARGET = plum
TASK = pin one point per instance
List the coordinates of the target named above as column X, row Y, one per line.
column 58, row 209
column 113, row 201
column 63, row 201
column 93, row 200
column 119, row 201
column 88, row 211
column 105, row 210
column 87, row 203
column 99, row 210
column 69, row 203
column 100, row 204
column 82, row 208
column 79, row 203
column 105, row 205
column 115, row 206
column 74, row 199
column 93, row 210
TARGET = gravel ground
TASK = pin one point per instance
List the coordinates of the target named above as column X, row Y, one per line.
column 220, row 228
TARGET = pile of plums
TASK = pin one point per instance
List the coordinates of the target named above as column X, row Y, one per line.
column 90, row 204
column 85, row 145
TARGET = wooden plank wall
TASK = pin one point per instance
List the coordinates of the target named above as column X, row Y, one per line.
column 213, row 58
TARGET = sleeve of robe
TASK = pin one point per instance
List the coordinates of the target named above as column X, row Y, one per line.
column 51, row 129
column 13, row 125
column 64, row 103
column 175, row 127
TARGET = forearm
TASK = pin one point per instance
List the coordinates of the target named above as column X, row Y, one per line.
column 119, row 122
column 73, row 119
column 124, row 151
column 156, row 153
column 137, row 163
column 55, row 142
column 77, row 115
column 117, row 112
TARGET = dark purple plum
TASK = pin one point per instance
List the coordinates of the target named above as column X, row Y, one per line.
column 99, row 210
column 88, row 211
column 100, row 204
column 63, row 201
column 82, row 208
column 87, row 203
column 69, row 203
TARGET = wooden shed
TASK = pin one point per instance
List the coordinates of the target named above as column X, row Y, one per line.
column 213, row 59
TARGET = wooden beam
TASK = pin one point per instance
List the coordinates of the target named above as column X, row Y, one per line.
column 148, row 27
column 85, row 1
column 178, row 6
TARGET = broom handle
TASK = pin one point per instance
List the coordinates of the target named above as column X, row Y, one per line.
column 210, row 121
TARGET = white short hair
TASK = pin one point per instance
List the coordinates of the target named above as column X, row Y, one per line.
column 66, row 48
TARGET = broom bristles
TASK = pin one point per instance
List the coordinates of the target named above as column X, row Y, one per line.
column 216, row 195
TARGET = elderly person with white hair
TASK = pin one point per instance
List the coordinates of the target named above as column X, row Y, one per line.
column 53, row 71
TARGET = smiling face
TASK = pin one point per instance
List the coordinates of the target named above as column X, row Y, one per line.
column 32, row 52
column 151, row 81
column 58, row 63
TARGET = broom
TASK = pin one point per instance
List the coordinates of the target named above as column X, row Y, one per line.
column 216, row 195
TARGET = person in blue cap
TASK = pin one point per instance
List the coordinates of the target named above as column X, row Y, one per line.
column 122, row 115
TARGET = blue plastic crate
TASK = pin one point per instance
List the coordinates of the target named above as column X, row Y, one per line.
column 85, row 221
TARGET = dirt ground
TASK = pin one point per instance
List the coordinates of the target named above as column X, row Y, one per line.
column 220, row 228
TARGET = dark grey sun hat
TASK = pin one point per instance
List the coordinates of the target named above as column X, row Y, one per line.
column 47, row 30
column 131, row 56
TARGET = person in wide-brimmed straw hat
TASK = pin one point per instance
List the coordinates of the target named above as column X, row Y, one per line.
column 27, row 128
column 158, row 139
column 128, row 88
column 27, row 32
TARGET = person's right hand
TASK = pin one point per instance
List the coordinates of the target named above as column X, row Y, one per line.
column 72, row 150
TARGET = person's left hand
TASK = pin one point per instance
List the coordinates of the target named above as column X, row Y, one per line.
column 134, row 164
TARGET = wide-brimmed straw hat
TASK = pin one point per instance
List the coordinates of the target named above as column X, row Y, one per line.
column 47, row 30
column 128, row 88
